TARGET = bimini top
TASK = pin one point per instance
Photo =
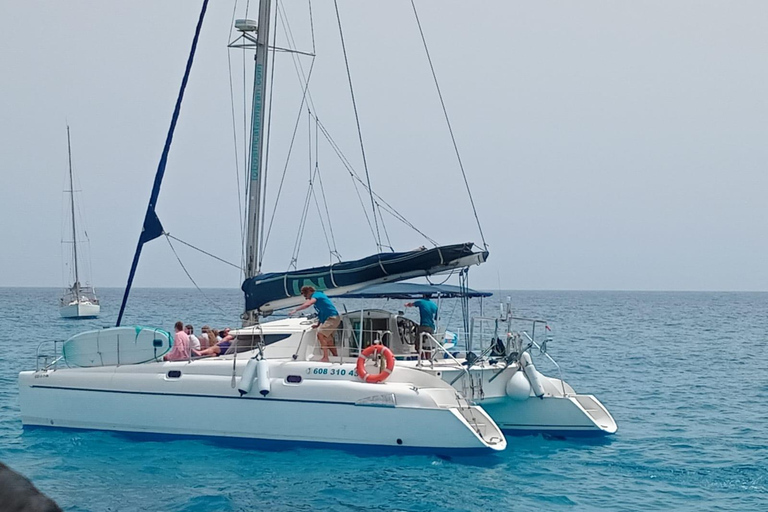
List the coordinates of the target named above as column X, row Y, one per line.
column 268, row 292
column 413, row 291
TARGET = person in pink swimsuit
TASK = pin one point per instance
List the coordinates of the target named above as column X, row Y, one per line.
column 180, row 350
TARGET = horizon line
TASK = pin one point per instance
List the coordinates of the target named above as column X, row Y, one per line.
column 625, row 290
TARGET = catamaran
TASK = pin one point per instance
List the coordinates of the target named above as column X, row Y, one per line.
column 79, row 300
column 114, row 379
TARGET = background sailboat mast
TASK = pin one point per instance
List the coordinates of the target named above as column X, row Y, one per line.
column 76, row 286
column 257, row 142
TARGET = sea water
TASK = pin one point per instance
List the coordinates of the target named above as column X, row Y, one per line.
column 684, row 374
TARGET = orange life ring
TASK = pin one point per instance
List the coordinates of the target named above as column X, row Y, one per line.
column 365, row 354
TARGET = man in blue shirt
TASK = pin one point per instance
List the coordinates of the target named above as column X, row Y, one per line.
column 427, row 316
column 327, row 316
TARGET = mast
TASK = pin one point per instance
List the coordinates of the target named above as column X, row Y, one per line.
column 257, row 142
column 76, row 286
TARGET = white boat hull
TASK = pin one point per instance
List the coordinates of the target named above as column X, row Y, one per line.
column 578, row 415
column 202, row 402
column 559, row 412
column 80, row 310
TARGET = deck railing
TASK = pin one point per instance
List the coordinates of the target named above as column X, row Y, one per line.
column 49, row 359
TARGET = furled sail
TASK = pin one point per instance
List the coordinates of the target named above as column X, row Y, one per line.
column 152, row 227
column 268, row 292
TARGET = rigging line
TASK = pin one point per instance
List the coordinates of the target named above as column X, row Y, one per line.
column 362, row 203
column 391, row 210
column 464, row 289
column 450, row 274
column 312, row 173
column 290, row 152
column 306, row 99
column 263, row 211
column 312, row 27
column 294, row 57
column 167, row 237
column 302, row 225
column 453, row 311
column 234, row 129
column 388, row 207
column 322, row 192
column 314, row 193
column 357, row 120
column 448, row 122
column 246, row 167
column 322, row 224
column 232, row 22
column 90, row 261
column 384, row 227
column 204, row 252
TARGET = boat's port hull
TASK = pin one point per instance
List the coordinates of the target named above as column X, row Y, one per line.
column 163, row 407
column 79, row 310
column 571, row 416
column 560, row 412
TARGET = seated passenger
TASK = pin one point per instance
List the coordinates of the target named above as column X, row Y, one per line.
column 204, row 343
column 194, row 342
column 180, row 350
column 219, row 348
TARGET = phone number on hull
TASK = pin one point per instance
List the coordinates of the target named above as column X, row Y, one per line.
column 332, row 371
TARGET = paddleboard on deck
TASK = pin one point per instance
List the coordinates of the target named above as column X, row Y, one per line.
column 117, row 345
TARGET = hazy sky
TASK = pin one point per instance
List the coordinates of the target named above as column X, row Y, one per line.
column 609, row 145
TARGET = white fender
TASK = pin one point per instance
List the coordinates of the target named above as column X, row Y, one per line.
column 262, row 377
column 518, row 387
column 246, row 381
column 532, row 374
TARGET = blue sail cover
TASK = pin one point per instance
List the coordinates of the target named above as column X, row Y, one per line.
column 267, row 292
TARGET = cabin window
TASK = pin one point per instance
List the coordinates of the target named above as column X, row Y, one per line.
column 174, row 374
column 273, row 338
column 293, row 379
column 370, row 330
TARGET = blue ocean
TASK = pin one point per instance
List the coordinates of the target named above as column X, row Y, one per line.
column 685, row 375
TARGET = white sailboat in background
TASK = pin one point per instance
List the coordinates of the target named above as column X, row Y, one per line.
column 79, row 300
